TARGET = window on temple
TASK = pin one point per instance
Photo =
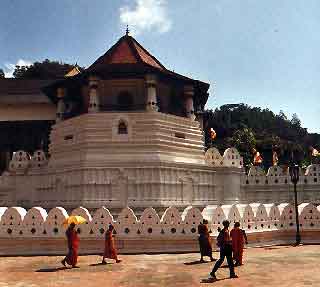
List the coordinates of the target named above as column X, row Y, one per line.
column 122, row 128
column 125, row 101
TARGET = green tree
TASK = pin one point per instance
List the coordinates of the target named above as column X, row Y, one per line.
column 245, row 141
column 2, row 75
column 271, row 131
column 43, row 70
column 295, row 121
column 282, row 115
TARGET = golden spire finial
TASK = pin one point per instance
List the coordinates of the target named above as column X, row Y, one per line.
column 127, row 30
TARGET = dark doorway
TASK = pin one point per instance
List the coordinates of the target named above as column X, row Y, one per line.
column 125, row 101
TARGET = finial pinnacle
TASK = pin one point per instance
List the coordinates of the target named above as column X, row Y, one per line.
column 127, row 30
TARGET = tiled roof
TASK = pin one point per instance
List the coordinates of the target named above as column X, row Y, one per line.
column 73, row 72
column 22, row 86
column 126, row 51
column 146, row 57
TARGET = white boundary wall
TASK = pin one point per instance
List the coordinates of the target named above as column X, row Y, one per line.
column 37, row 231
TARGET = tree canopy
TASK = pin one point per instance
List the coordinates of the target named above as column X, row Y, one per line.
column 245, row 127
column 43, row 70
column 2, row 75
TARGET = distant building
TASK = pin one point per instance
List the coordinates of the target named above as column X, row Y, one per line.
column 26, row 116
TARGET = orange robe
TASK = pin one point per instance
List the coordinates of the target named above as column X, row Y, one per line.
column 237, row 244
column 109, row 246
column 73, row 245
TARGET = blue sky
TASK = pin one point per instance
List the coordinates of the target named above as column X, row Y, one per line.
column 261, row 52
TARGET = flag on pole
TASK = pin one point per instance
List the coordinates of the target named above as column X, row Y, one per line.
column 275, row 158
column 213, row 134
column 257, row 158
column 315, row 153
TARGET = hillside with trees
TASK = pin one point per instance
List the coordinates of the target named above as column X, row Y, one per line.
column 246, row 127
column 45, row 70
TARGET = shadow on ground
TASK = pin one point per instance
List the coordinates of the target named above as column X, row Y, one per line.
column 100, row 264
column 212, row 280
column 196, row 262
column 55, row 269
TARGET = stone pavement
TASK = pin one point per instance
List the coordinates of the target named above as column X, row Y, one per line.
column 284, row 266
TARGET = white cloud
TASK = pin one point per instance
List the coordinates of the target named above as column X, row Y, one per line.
column 146, row 15
column 9, row 67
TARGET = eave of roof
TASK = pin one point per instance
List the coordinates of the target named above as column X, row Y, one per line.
column 136, row 62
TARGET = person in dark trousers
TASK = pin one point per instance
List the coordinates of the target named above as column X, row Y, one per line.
column 225, row 244
column 204, row 241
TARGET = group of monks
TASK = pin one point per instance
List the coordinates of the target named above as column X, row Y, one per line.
column 231, row 244
column 73, row 246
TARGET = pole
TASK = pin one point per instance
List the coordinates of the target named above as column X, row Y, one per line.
column 298, row 237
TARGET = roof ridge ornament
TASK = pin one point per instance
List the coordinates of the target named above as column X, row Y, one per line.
column 127, row 30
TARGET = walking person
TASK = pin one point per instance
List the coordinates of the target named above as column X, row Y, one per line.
column 109, row 246
column 204, row 241
column 225, row 245
column 238, row 239
column 73, row 246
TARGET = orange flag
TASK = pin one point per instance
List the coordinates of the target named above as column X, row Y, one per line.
column 213, row 134
column 275, row 158
column 257, row 158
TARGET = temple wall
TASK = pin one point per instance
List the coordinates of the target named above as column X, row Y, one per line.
column 36, row 231
column 32, row 181
column 25, row 112
column 276, row 186
column 93, row 140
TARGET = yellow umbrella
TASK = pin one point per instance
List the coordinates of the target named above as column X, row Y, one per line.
column 76, row 219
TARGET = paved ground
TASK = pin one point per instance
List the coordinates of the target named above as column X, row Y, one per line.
column 273, row 266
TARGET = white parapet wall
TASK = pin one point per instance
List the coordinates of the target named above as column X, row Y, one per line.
column 36, row 231
column 218, row 180
column 275, row 186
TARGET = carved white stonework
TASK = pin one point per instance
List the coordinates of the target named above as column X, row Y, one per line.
column 94, row 102
column 20, row 162
column 60, row 105
column 189, row 94
column 151, row 86
column 155, row 160
column 213, row 157
column 38, row 159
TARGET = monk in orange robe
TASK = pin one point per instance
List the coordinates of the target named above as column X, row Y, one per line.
column 238, row 240
column 73, row 246
column 109, row 246
column 204, row 241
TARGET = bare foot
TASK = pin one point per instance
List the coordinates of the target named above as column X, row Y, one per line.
column 118, row 261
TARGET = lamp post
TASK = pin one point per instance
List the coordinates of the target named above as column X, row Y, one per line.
column 294, row 174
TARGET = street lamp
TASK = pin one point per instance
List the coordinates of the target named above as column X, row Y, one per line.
column 294, row 174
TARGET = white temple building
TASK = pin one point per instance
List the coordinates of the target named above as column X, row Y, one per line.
column 128, row 132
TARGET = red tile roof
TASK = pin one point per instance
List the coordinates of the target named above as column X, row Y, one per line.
column 122, row 55
column 126, row 51
column 146, row 57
